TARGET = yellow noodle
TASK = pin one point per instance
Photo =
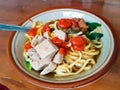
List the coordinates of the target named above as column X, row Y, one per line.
column 82, row 68
column 84, row 56
column 91, row 53
column 39, row 31
column 88, row 46
column 38, row 24
column 80, row 63
column 92, row 61
column 51, row 25
column 98, row 44
column 72, row 57
column 68, row 60
column 55, row 25
column 64, row 74
column 88, row 67
column 29, row 38
column 76, row 60
column 76, row 34
column 73, row 53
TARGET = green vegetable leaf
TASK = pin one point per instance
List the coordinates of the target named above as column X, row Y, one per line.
column 94, row 36
column 92, row 26
column 28, row 65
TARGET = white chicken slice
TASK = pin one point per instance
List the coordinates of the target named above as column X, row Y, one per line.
column 46, row 48
column 60, row 34
column 39, row 64
column 51, row 67
column 37, row 39
column 31, row 52
column 40, row 39
column 46, row 35
column 58, row 58
column 35, row 57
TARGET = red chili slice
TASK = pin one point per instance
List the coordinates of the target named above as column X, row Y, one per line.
column 78, row 43
column 64, row 23
column 32, row 32
column 64, row 45
column 63, row 51
column 74, row 23
column 46, row 27
column 57, row 41
column 27, row 46
column 78, row 47
column 78, row 40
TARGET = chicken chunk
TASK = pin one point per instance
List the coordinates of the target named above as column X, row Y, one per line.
column 35, row 57
column 46, row 48
column 51, row 67
column 58, row 58
column 40, row 39
column 31, row 52
column 39, row 64
column 37, row 39
column 60, row 34
column 46, row 35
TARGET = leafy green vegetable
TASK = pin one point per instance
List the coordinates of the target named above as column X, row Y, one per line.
column 92, row 26
column 94, row 36
column 28, row 65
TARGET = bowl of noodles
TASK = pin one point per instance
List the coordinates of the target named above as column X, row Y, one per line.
column 63, row 46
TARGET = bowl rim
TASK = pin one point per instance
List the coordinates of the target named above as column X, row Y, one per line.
column 73, row 84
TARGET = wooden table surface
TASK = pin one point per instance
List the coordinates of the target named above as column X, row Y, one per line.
column 17, row 11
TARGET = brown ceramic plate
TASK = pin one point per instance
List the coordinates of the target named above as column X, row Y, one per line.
column 105, row 59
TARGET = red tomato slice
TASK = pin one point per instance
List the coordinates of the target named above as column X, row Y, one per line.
column 27, row 46
column 66, row 51
column 74, row 23
column 62, row 51
column 46, row 27
column 64, row 23
column 78, row 48
column 78, row 40
column 78, row 43
column 64, row 45
column 58, row 42
column 32, row 32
